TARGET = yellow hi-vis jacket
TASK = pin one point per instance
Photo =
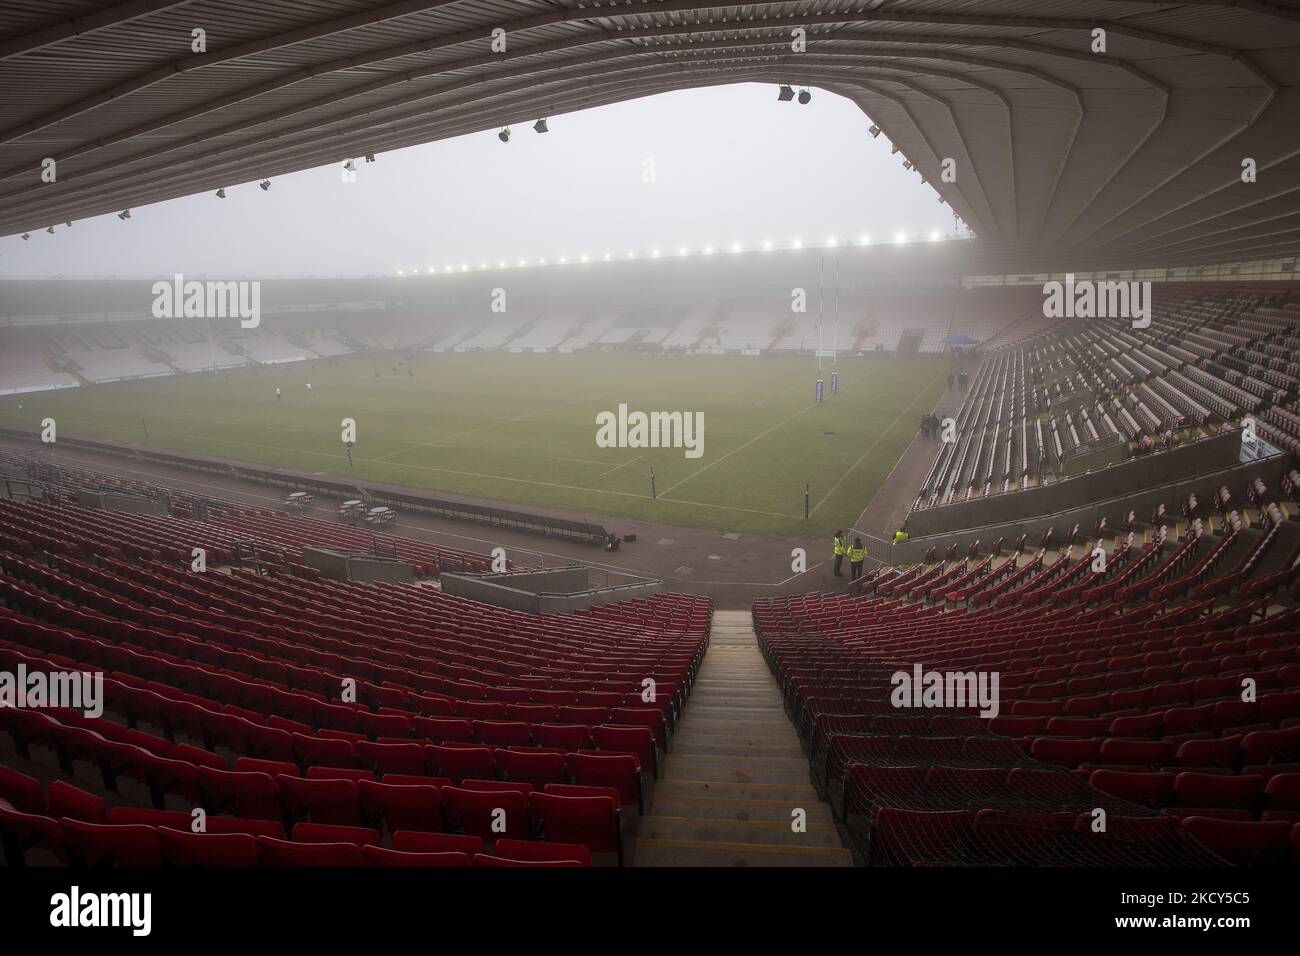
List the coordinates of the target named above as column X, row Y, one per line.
column 857, row 555
column 840, row 547
column 900, row 537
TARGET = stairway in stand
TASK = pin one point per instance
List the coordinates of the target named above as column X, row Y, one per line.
column 736, row 772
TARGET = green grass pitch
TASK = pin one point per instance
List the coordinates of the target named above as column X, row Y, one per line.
column 521, row 428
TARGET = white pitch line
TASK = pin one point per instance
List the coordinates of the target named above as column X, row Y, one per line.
column 871, row 447
column 581, row 461
column 715, row 461
column 617, row 467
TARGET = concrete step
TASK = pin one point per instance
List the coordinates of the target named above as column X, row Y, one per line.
column 681, row 761
column 772, row 832
column 736, row 774
column 722, row 808
column 687, row 853
column 731, row 747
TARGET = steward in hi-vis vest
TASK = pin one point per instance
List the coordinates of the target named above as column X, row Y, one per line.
column 857, row 554
column 840, row 547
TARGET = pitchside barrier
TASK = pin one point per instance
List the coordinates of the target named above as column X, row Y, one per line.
column 327, row 485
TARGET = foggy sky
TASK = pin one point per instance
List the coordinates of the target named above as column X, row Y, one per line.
column 731, row 165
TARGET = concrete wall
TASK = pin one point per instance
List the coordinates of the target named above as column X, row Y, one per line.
column 547, row 591
column 341, row 566
column 1151, row 471
column 113, row 502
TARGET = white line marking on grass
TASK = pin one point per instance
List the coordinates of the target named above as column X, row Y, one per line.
column 872, row 447
column 617, row 467
column 715, row 461
column 581, row 461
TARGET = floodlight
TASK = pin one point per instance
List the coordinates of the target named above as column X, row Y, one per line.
column 786, row 94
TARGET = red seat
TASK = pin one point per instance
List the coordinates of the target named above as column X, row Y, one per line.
column 20, row 832
column 409, row 842
column 1245, row 843
column 571, row 737
column 537, row 767
column 619, row 771
column 251, row 795
column 485, row 860
column 22, row 792
column 502, row 733
column 323, row 801
column 402, row 807
column 489, row 814
column 1216, row 752
column 393, row 757
column 1138, row 753
column 183, row 848
column 538, row 851
column 458, row 763
column 444, row 729
column 1283, row 791
column 1218, row 790
column 324, row 751
column 102, row 844
column 379, row 856
column 65, row 800
column 915, row 837
column 1154, row 790
column 634, row 740
column 273, row 852
column 329, row 833
column 1065, row 752
column 592, row 821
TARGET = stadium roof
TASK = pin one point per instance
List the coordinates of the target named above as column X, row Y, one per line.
column 1064, row 157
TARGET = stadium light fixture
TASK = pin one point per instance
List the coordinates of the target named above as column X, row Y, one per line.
column 935, row 235
column 907, row 164
column 584, row 257
column 654, row 253
column 708, row 250
column 874, row 131
column 50, row 230
column 523, row 263
column 786, row 94
column 607, row 257
column 735, row 247
column 221, row 193
column 864, row 240
column 804, row 97
column 482, row 265
column 464, row 267
column 27, row 237
column 400, row 272
column 767, row 245
column 431, row 270
column 501, row 263
column 124, row 214
column 893, row 148
column 370, row 157
column 350, row 166
column 265, row 184
column 504, row 135
column 832, row 242
column 798, row 243
column 900, row 237
column 68, row 223
column 682, row 251
column 564, row 260
column 541, row 127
